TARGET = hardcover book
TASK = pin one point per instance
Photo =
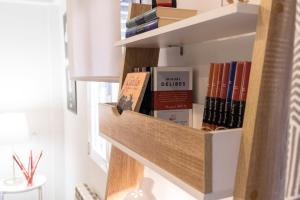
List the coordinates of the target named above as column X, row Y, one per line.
column 243, row 93
column 160, row 13
column 172, row 94
column 217, row 97
column 132, row 92
column 213, row 95
column 165, row 3
column 208, row 97
column 223, row 94
column 148, row 26
column 227, row 108
column 233, row 119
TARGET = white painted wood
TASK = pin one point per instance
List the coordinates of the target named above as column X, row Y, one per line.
column 223, row 22
column 225, row 155
column 198, row 110
column 226, row 146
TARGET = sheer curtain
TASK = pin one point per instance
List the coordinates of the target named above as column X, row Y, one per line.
column 293, row 163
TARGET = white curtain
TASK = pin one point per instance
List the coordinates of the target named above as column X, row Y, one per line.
column 293, row 164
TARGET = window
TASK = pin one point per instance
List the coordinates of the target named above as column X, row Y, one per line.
column 99, row 92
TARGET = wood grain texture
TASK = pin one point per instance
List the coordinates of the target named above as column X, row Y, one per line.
column 125, row 173
column 136, row 9
column 182, row 151
column 139, row 57
column 263, row 150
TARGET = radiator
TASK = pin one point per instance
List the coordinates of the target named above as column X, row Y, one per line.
column 83, row 192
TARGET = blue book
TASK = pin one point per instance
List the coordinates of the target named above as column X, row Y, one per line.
column 229, row 93
column 142, row 28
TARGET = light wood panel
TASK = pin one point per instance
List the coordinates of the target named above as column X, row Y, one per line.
column 263, row 151
column 181, row 151
column 232, row 20
column 125, row 173
column 139, row 57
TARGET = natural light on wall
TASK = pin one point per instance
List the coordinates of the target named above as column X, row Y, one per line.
column 13, row 127
column 24, row 63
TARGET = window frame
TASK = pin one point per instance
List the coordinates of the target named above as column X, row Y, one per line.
column 100, row 158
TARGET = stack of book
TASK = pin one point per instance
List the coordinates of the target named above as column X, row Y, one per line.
column 169, row 94
column 155, row 18
column 226, row 95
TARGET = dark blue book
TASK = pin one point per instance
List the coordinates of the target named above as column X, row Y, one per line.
column 232, row 71
column 142, row 28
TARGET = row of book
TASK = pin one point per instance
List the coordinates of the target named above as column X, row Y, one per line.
column 155, row 18
column 226, row 95
column 166, row 93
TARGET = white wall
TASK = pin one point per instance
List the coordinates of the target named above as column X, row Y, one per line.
column 31, row 82
column 80, row 168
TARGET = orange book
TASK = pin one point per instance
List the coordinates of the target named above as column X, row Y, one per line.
column 133, row 90
column 233, row 119
column 208, row 97
column 243, row 93
column 213, row 95
column 223, row 94
column 217, row 97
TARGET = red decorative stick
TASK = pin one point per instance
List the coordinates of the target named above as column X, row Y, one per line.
column 15, row 157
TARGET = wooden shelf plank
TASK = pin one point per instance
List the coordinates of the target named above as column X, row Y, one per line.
column 183, row 155
column 232, row 20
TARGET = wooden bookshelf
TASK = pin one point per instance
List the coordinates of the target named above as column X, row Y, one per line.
column 202, row 163
column 232, row 20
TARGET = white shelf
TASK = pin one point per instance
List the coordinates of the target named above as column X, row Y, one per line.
column 232, row 20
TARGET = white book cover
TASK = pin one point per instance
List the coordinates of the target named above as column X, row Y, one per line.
column 173, row 94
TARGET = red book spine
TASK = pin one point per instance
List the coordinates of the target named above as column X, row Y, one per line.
column 243, row 93
column 218, row 94
column 208, row 96
column 213, row 95
column 223, row 93
column 233, row 120
column 165, row 4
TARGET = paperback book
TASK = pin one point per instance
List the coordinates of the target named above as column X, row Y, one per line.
column 172, row 94
column 132, row 92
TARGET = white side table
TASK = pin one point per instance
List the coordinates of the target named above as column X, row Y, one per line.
column 37, row 184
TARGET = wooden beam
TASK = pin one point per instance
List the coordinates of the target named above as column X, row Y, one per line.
column 261, row 168
column 125, row 173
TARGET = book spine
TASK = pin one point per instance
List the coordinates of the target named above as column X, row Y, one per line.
column 146, row 106
column 142, row 19
column 213, row 96
column 142, row 28
column 223, row 94
column 233, row 119
column 218, row 97
column 208, row 97
column 243, row 93
column 171, row 3
column 227, row 108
